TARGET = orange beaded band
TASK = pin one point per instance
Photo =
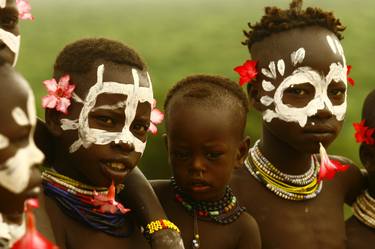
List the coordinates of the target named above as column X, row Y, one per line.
column 159, row 225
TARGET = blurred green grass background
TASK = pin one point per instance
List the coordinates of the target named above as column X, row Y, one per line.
column 177, row 38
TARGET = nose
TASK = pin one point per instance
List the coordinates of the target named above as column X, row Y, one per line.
column 197, row 166
column 123, row 146
column 324, row 113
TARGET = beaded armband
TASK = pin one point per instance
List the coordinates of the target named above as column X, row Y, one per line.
column 158, row 225
column 364, row 209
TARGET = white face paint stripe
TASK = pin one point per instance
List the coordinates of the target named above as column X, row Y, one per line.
column 267, row 86
column 12, row 42
column 120, row 104
column 298, row 56
column 266, row 100
column 331, row 44
column 281, row 67
column 87, row 135
column 4, row 142
column 20, row 117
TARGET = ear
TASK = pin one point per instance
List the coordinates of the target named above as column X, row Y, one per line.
column 255, row 93
column 242, row 152
column 53, row 122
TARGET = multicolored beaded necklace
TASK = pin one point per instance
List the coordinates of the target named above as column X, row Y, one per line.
column 223, row 211
column 290, row 187
column 76, row 200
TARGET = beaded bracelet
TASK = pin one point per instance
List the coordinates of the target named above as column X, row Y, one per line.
column 158, row 225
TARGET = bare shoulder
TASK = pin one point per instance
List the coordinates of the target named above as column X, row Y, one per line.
column 250, row 235
column 352, row 180
column 161, row 187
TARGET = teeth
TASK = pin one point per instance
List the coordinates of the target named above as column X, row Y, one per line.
column 115, row 165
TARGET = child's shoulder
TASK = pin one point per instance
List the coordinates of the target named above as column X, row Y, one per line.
column 249, row 231
column 161, row 187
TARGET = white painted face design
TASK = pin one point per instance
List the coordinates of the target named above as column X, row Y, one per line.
column 302, row 75
column 12, row 41
column 87, row 135
column 15, row 172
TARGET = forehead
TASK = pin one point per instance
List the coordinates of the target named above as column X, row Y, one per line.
column 322, row 48
column 112, row 73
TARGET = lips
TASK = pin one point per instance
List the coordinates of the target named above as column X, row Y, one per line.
column 319, row 133
column 116, row 169
column 199, row 186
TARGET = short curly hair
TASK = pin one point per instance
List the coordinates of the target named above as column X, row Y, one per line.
column 277, row 20
column 209, row 88
column 79, row 56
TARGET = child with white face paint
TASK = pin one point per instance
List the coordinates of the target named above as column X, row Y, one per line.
column 98, row 139
column 301, row 90
column 19, row 157
column 9, row 33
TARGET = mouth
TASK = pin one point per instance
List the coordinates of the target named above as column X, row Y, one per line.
column 116, row 170
column 199, row 186
column 319, row 133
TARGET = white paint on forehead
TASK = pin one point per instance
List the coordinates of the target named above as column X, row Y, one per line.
column 281, row 67
column 3, row 3
column 331, row 44
column 267, row 86
column 20, row 117
column 298, row 56
column 266, row 100
column 87, row 135
column 15, row 172
column 120, row 104
column 271, row 72
column 4, row 142
column 12, row 41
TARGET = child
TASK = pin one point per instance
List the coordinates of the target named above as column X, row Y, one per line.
column 9, row 33
column 205, row 122
column 99, row 118
column 300, row 89
column 19, row 157
column 360, row 228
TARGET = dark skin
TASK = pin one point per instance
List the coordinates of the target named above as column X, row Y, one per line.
column 315, row 223
column 16, row 95
column 8, row 22
column 359, row 234
column 87, row 165
column 203, row 150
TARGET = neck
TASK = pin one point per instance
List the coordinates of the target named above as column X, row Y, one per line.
column 284, row 157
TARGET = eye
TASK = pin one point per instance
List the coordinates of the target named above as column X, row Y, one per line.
column 105, row 120
column 337, row 92
column 213, row 155
column 140, row 128
column 296, row 91
column 180, row 154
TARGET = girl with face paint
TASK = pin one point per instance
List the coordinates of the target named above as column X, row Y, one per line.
column 19, row 157
column 99, row 140
column 301, row 90
column 361, row 226
column 9, row 32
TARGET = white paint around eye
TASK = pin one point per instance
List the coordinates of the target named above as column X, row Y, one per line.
column 87, row 135
column 266, row 100
column 331, row 44
column 281, row 67
column 20, row 117
column 298, row 56
column 267, row 86
column 4, row 142
column 12, row 42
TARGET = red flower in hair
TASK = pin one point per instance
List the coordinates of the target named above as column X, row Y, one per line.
column 247, row 72
column 363, row 134
column 328, row 167
column 350, row 80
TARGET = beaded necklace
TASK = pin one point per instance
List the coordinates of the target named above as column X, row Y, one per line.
column 364, row 209
column 76, row 200
column 223, row 211
column 290, row 187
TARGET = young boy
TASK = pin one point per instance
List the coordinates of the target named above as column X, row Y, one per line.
column 99, row 128
column 9, row 33
column 205, row 121
column 19, row 157
column 360, row 228
column 301, row 90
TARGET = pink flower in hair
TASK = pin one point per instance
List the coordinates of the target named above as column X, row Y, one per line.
column 107, row 203
column 59, row 94
column 156, row 118
column 24, row 10
column 328, row 167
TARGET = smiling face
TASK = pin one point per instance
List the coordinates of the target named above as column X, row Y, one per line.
column 203, row 147
column 105, row 133
column 302, row 85
column 19, row 176
column 9, row 32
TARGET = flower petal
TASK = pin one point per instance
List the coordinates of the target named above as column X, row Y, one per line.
column 153, row 129
column 156, row 116
column 51, row 85
column 49, row 101
column 62, row 105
